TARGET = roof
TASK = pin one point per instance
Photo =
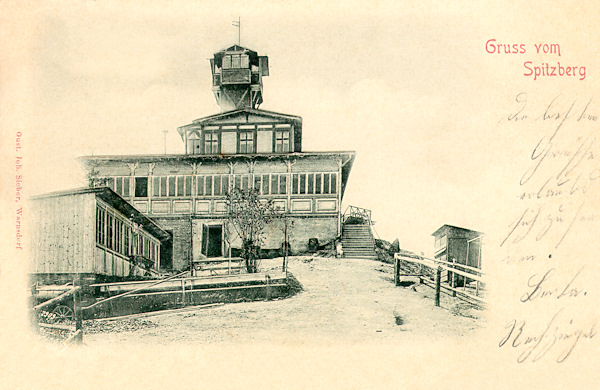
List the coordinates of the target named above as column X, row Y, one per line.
column 115, row 201
column 198, row 157
column 444, row 227
column 235, row 48
column 191, row 158
column 253, row 111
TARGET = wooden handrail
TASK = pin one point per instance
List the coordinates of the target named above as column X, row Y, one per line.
column 428, row 262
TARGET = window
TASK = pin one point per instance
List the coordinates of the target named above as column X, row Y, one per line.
column 246, row 142
column 141, row 187
column 200, row 185
column 282, row 184
column 171, row 185
column 156, row 186
column 225, row 184
column 180, row 185
column 121, row 185
column 257, row 185
column 208, row 185
column 236, row 61
column 265, row 184
column 127, row 250
column 211, row 143
column 311, row 183
column 217, row 185
column 100, row 224
column 326, row 189
column 302, row 183
column 109, row 231
column 333, row 183
column 274, row 184
column 163, row 186
column 282, row 141
column 295, row 183
column 318, row 180
column 188, row 186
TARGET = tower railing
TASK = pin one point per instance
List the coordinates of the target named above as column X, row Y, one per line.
column 358, row 213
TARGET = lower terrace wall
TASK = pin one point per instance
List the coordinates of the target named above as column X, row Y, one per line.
column 187, row 235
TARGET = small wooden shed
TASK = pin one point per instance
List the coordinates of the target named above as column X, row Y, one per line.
column 457, row 244
column 94, row 234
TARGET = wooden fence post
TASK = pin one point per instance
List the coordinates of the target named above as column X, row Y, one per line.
column 77, row 313
column 453, row 277
column 34, row 313
column 438, row 280
column 267, row 294
column 183, row 291
column 396, row 271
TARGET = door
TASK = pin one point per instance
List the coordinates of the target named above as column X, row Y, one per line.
column 212, row 240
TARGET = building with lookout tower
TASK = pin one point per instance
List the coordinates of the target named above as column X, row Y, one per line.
column 241, row 147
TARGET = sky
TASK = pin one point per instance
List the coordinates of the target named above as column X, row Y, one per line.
column 409, row 87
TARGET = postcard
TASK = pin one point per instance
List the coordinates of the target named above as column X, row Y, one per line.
column 298, row 194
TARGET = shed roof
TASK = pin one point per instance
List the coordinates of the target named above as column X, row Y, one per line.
column 448, row 227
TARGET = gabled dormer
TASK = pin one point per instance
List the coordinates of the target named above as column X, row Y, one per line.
column 244, row 131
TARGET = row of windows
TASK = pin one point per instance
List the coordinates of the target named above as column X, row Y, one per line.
column 235, row 61
column 246, row 143
column 219, row 185
column 114, row 233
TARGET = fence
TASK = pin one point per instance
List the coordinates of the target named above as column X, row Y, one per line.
column 358, row 212
column 62, row 318
column 460, row 277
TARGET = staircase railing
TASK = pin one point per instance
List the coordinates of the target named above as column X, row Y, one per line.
column 358, row 212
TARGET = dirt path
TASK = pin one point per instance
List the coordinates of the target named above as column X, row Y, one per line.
column 344, row 300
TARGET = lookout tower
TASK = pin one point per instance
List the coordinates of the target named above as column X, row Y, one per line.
column 237, row 75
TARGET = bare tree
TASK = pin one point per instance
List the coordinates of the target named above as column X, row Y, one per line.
column 249, row 214
column 93, row 178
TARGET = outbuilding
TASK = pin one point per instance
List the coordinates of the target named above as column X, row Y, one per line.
column 94, row 234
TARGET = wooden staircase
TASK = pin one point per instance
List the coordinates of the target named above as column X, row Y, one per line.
column 358, row 241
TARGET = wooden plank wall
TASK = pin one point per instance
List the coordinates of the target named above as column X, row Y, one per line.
column 62, row 233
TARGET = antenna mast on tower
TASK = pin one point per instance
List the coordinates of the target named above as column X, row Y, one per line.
column 239, row 26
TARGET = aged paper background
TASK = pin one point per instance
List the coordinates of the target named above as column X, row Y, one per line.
column 440, row 138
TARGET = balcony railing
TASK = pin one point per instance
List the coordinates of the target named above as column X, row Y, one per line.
column 235, row 76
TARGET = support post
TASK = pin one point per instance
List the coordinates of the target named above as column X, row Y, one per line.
column 438, row 280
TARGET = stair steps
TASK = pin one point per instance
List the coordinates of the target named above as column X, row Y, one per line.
column 358, row 242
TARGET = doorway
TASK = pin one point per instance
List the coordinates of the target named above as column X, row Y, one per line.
column 212, row 240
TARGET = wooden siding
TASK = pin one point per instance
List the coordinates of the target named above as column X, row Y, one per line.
column 63, row 237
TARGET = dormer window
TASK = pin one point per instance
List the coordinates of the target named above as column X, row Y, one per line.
column 211, row 142
column 282, row 141
column 246, row 142
column 236, row 61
